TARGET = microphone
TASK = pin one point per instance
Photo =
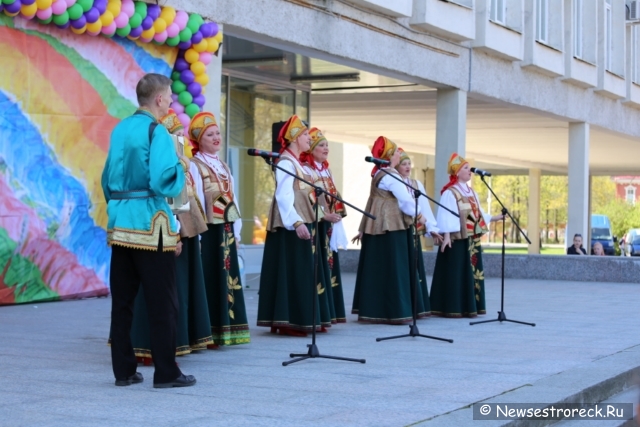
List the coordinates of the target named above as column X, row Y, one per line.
column 378, row 162
column 261, row 153
column 480, row 172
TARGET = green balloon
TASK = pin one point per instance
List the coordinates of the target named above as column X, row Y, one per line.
column 197, row 19
column 173, row 41
column 193, row 26
column 8, row 1
column 178, row 87
column 61, row 19
column 46, row 21
column 175, row 76
column 75, row 11
column 85, row 4
column 185, row 35
column 124, row 31
column 191, row 110
column 185, row 98
column 141, row 9
column 135, row 21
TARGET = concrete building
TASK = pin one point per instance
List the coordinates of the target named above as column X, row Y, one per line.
column 519, row 86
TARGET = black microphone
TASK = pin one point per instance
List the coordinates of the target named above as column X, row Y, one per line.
column 378, row 162
column 261, row 153
column 480, row 172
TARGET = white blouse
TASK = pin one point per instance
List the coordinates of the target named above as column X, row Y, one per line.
column 406, row 202
column 446, row 221
column 216, row 164
column 339, row 237
column 425, row 208
column 285, row 196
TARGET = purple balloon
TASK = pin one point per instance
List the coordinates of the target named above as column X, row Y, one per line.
column 27, row 2
column 187, row 77
column 199, row 100
column 182, row 45
column 153, row 10
column 78, row 23
column 13, row 7
column 174, row 97
column 181, row 65
column 194, row 88
column 1, row 7
column 205, row 30
column 92, row 15
column 101, row 5
column 214, row 29
column 147, row 23
column 196, row 37
column 181, row 53
column 62, row 27
column 135, row 32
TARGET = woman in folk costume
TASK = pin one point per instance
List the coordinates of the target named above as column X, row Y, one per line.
column 287, row 278
column 383, row 282
column 214, row 186
column 431, row 227
column 332, row 232
column 194, row 329
column 458, row 279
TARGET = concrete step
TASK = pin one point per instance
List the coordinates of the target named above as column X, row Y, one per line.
column 629, row 395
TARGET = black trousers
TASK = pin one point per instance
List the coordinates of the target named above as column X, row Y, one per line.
column 156, row 271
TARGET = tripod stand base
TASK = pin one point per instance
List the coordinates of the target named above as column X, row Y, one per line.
column 502, row 317
column 315, row 353
column 414, row 332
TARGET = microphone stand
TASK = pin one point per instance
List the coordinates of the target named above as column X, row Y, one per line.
column 413, row 328
column 502, row 317
column 313, row 351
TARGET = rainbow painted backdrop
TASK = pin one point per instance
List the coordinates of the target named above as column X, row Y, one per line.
column 61, row 94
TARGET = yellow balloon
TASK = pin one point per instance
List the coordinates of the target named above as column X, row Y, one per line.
column 168, row 14
column 191, row 56
column 106, row 18
column 133, row 38
column 44, row 4
column 29, row 10
column 198, row 68
column 212, row 45
column 160, row 25
column 203, row 79
column 95, row 27
column 148, row 34
column 218, row 37
column 79, row 30
column 11, row 14
column 202, row 46
column 115, row 7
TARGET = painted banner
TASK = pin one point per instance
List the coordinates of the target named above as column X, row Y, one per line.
column 61, row 94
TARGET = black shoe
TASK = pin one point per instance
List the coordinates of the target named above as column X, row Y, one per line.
column 133, row 379
column 182, row 381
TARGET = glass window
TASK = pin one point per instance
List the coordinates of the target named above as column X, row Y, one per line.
column 631, row 195
column 577, row 28
column 542, row 29
column 498, row 12
column 302, row 105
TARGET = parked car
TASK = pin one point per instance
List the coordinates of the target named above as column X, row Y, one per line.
column 601, row 232
column 632, row 242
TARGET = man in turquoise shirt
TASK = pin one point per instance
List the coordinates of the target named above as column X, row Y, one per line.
column 141, row 170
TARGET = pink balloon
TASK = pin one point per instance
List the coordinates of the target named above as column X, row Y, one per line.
column 121, row 20
column 58, row 7
column 205, row 58
column 173, row 30
column 128, row 8
column 177, row 107
column 181, row 19
column 161, row 37
column 184, row 119
column 145, row 39
column 109, row 29
column 70, row 3
column 44, row 14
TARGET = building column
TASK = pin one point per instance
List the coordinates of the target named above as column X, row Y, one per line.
column 533, row 226
column 451, row 131
column 578, row 218
column 212, row 91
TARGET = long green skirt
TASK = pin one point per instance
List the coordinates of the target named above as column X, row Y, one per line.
column 228, row 315
column 458, row 281
column 287, row 284
column 193, row 331
column 333, row 263
column 383, row 281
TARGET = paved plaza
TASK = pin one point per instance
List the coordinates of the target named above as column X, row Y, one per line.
column 56, row 365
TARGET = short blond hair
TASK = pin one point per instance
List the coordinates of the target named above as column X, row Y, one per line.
column 149, row 86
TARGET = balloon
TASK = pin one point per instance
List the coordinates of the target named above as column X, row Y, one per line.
column 29, row 3
column 191, row 56
column 203, row 79
column 206, row 58
column 141, row 8
column 192, row 109
column 173, row 41
column 198, row 68
column 184, row 45
column 193, row 26
column 175, row 75
column 184, row 119
column 114, row 7
column 81, row 30
column 181, row 65
column 185, row 35
column 106, row 18
column 185, row 98
column 135, row 32
column 70, row 3
column 29, row 10
column 212, row 45
column 173, row 30
column 199, row 100
column 44, row 14
column 174, row 97
column 205, row 30
column 176, row 106
column 86, row 5
column 44, row 4
column 187, row 77
column 197, row 20
column 168, row 14
column 94, row 27
column 148, row 34
column 181, row 19
column 13, row 8
column 178, row 87
column 196, row 37
column 61, row 19
column 147, row 23
column 160, row 37
column 153, row 10
column 101, row 5
column 160, row 25
column 128, row 8
column 145, row 39
column 214, row 28
column 92, row 15
column 43, row 21
column 8, row 2
column 201, row 46
column 63, row 26
column 79, row 23
column 218, row 37
column 194, row 88
column 124, row 31
column 75, row 12
column 122, row 20
column 135, row 21
column 59, row 7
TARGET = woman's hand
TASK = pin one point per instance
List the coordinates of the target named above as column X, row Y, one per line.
column 303, row 232
column 332, row 218
column 437, row 238
column 422, row 220
column 178, row 249
column 356, row 240
column 445, row 242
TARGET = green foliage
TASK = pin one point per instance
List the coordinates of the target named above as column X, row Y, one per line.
column 623, row 216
